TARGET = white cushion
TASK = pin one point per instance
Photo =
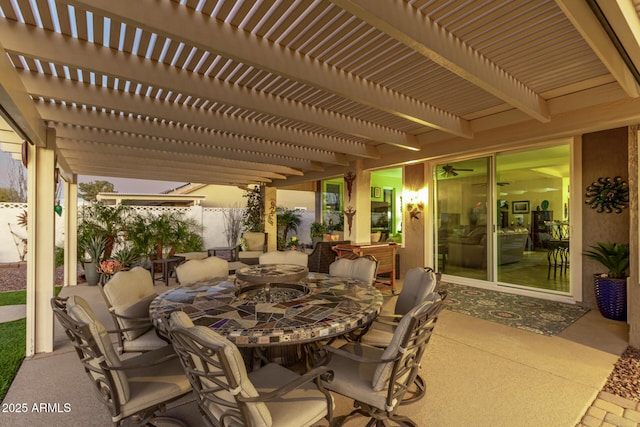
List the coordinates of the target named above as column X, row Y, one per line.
column 148, row 341
column 285, row 257
column 126, row 287
column 202, row 269
column 80, row 311
column 255, row 240
column 130, row 293
column 383, row 371
column 257, row 411
column 418, row 283
column 312, row 403
column 361, row 268
column 353, row 378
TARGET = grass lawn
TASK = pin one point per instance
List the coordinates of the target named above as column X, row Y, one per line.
column 12, row 340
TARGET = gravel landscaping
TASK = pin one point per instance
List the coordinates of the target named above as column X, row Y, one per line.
column 15, row 278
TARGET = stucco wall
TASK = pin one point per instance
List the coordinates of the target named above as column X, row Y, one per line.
column 604, row 154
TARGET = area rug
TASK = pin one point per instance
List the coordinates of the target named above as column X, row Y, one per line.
column 530, row 314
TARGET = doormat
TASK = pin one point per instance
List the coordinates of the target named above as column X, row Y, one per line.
column 527, row 313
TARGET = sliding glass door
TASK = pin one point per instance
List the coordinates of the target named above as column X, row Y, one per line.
column 532, row 189
column 463, row 242
column 510, row 227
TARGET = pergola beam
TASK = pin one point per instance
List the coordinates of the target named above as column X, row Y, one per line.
column 196, row 160
column 175, row 146
column 182, row 24
column 84, row 94
column 413, row 29
column 154, row 129
column 590, row 29
column 16, row 107
column 63, row 50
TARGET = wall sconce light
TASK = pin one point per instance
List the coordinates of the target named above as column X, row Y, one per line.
column 415, row 202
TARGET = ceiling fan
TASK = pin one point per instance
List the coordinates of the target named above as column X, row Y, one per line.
column 450, row 170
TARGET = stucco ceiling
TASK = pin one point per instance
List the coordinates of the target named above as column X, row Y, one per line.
column 281, row 92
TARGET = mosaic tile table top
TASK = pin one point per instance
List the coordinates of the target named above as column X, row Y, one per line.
column 272, row 273
column 331, row 307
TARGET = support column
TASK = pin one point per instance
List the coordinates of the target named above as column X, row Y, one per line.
column 70, row 211
column 41, row 252
column 270, row 219
column 633, row 283
column 360, row 202
column 414, row 212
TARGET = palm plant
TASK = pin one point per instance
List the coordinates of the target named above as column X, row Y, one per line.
column 287, row 220
column 108, row 220
column 139, row 233
column 613, row 256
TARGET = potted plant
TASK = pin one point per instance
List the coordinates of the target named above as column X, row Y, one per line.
column 93, row 249
column 317, row 231
column 611, row 287
column 128, row 257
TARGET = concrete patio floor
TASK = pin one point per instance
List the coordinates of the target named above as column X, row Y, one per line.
column 478, row 373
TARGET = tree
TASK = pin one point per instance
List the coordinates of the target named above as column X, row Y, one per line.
column 253, row 216
column 17, row 190
column 6, row 195
column 89, row 190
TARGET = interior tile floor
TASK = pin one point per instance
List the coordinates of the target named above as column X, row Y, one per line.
column 478, row 373
column 531, row 271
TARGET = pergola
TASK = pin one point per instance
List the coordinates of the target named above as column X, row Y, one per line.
column 286, row 92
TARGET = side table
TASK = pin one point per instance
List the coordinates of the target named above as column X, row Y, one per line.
column 168, row 266
column 229, row 253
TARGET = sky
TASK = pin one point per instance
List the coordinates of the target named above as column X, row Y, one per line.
column 121, row 185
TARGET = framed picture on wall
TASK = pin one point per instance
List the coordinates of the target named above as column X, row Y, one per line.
column 520, row 207
column 376, row 192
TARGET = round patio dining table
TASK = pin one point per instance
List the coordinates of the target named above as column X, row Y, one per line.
column 314, row 308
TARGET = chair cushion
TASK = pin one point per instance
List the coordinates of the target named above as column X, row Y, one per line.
column 378, row 335
column 418, row 283
column 202, row 269
column 130, row 293
column 285, row 257
column 352, row 378
column 383, row 370
column 361, row 268
column 257, row 411
column 148, row 341
column 127, row 287
column 155, row 384
column 314, row 403
column 255, row 240
column 139, row 309
column 80, row 311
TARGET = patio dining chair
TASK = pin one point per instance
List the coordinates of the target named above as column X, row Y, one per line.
column 377, row 379
column 128, row 295
column 363, row 268
column 418, row 284
column 196, row 270
column 227, row 395
column 135, row 389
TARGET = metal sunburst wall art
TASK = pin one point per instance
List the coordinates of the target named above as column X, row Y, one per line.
column 608, row 194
